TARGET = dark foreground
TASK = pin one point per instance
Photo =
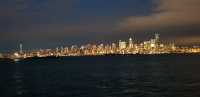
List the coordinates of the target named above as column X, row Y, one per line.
column 102, row 76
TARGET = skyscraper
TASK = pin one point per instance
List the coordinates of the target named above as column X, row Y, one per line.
column 157, row 41
column 130, row 43
column 122, row 44
column 157, row 37
column 20, row 48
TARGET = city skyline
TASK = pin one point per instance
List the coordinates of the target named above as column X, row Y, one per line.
column 48, row 23
column 20, row 47
column 130, row 46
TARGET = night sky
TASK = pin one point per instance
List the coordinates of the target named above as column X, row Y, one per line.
column 54, row 23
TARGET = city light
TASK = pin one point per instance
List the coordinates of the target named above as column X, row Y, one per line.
column 152, row 46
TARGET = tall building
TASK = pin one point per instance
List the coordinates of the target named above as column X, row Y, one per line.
column 113, row 46
column 130, row 43
column 122, row 44
column 157, row 41
column 157, row 37
column 20, row 48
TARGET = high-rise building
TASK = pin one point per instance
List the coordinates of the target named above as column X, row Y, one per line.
column 130, row 43
column 157, row 37
column 113, row 45
column 157, row 41
column 122, row 44
column 20, row 48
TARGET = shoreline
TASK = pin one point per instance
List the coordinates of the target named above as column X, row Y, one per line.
column 106, row 55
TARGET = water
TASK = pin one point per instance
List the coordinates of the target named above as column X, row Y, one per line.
column 108, row 76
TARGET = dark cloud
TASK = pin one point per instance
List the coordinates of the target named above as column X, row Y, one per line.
column 168, row 13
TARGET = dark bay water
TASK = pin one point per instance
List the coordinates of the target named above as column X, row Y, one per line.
column 105, row 76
